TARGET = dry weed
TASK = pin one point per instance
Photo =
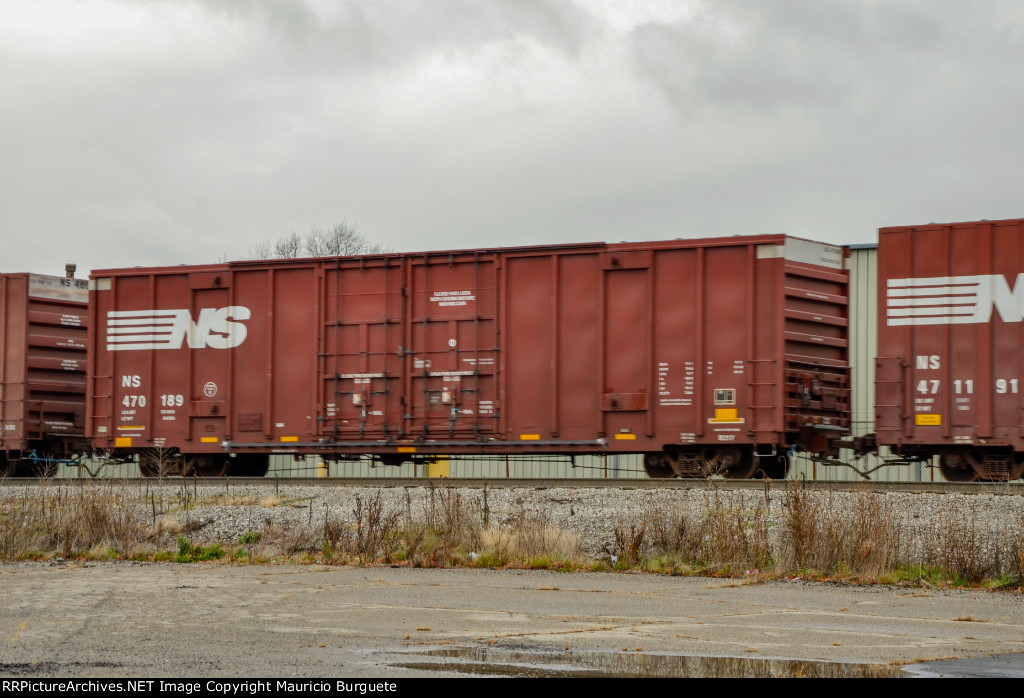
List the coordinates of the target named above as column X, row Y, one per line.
column 862, row 535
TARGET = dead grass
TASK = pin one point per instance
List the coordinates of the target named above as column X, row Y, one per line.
column 72, row 521
column 835, row 537
column 169, row 525
column 529, row 539
column 859, row 537
column 712, row 536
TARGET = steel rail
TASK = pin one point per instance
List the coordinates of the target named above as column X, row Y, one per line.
column 1003, row 488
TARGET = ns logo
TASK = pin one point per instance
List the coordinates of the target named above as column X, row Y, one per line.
column 954, row 300
column 215, row 328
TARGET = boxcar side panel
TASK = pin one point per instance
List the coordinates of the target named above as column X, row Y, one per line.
column 43, row 321
column 728, row 342
column 676, row 345
column 575, row 319
column 294, row 328
column 627, row 351
column 451, row 329
column 950, row 334
column 651, row 347
column 528, row 390
column 364, row 375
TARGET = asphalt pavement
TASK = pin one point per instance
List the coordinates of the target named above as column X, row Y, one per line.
column 217, row 620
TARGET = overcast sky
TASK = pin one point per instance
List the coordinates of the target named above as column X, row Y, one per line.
column 182, row 131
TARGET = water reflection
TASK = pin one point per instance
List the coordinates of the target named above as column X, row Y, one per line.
column 531, row 663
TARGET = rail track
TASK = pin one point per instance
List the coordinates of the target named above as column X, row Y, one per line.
column 1007, row 488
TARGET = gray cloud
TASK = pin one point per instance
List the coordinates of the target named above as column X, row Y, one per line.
column 881, row 113
column 183, row 131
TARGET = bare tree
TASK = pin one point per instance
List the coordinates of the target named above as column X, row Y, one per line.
column 337, row 240
column 288, row 247
column 340, row 239
column 261, row 250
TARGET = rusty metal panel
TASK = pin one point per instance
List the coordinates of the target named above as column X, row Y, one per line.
column 43, row 321
column 816, row 348
column 950, row 319
column 452, row 345
column 186, row 357
column 529, row 398
column 143, row 369
column 364, row 350
column 693, row 342
column 574, row 317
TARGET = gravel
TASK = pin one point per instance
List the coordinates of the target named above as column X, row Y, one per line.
column 593, row 514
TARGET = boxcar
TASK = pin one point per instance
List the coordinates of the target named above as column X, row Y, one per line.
column 42, row 371
column 708, row 356
column 949, row 365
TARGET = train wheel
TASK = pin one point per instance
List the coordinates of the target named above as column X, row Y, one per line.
column 211, row 469
column 955, row 468
column 729, row 461
column 657, row 466
column 206, row 465
column 744, row 467
column 995, row 466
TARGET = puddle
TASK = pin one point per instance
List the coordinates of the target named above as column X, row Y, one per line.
column 528, row 663
column 996, row 666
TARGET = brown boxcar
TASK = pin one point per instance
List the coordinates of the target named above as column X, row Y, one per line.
column 42, row 371
column 702, row 354
column 949, row 365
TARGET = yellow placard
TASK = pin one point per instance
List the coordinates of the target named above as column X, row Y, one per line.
column 122, row 442
column 208, row 439
column 529, row 437
column 289, row 438
column 407, row 449
column 625, row 437
column 928, row 420
column 726, row 415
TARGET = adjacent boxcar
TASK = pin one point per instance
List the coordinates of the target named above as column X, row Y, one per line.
column 709, row 356
column 949, row 366
column 42, row 371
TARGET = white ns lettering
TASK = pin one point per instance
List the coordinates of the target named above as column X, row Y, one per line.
column 215, row 328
